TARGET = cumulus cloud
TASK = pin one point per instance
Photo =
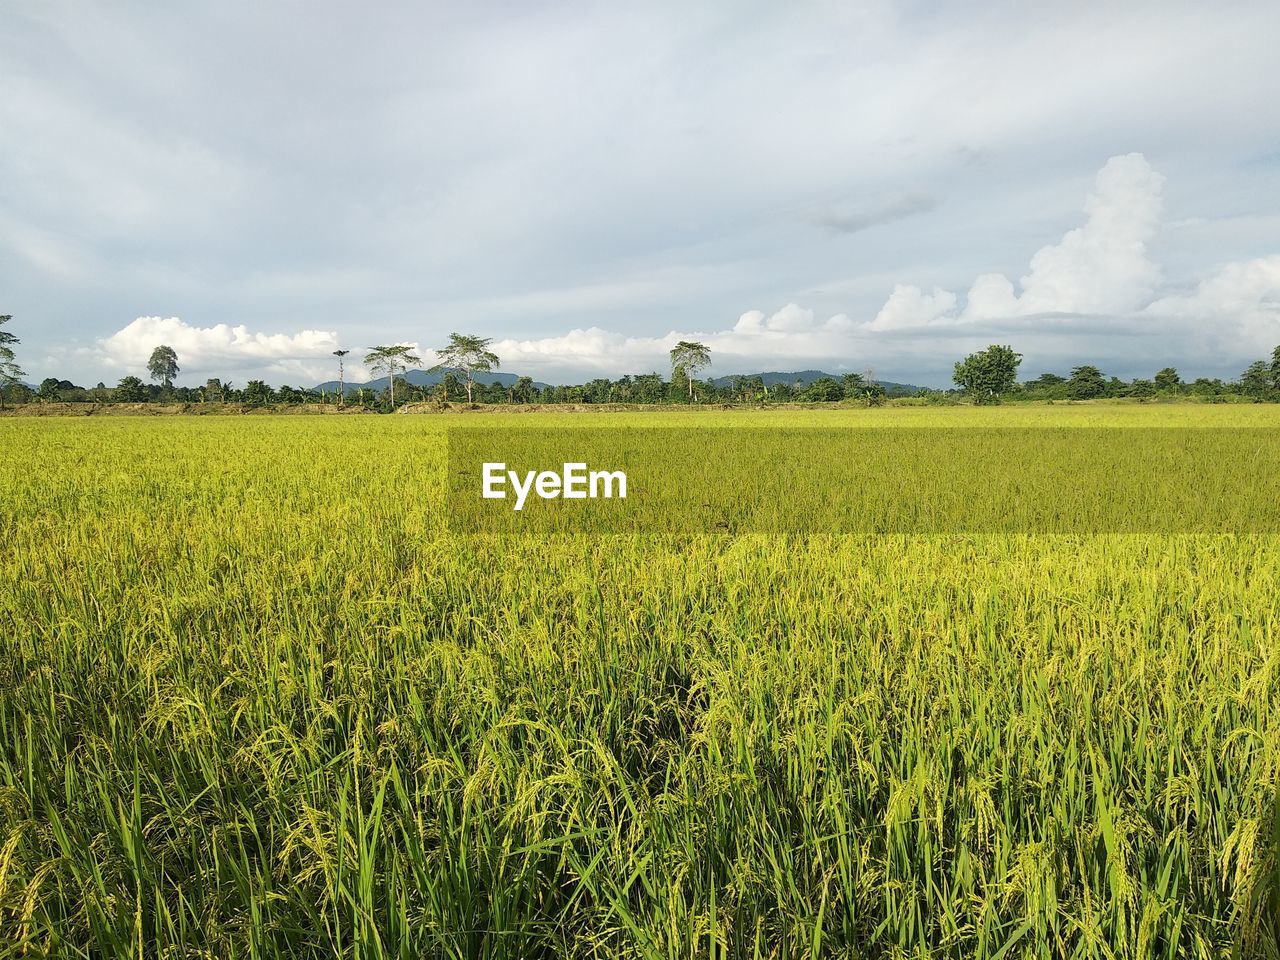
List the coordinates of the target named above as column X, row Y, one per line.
column 1097, row 280
column 909, row 307
column 220, row 350
column 788, row 320
column 590, row 348
column 1100, row 279
column 1099, row 268
column 792, row 318
column 1240, row 300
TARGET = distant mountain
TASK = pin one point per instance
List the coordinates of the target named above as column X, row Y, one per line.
column 806, row 377
column 419, row 378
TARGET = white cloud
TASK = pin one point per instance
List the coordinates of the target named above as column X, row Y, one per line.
column 1241, row 300
column 592, row 348
column 1101, row 267
column 791, row 318
column 910, row 306
column 749, row 323
column 1100, row 279
column 221, row 350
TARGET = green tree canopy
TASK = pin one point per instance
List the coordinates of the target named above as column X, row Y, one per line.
column 687, row 358
column 1142, row 389
column 1086, row 382
column 824, row 389
column 9, row 369
column 256, row 392
column 163, row 365
column 523, row 390
column 749, row 388
column 130, row 390
column 1255, row 382
column 987, row 374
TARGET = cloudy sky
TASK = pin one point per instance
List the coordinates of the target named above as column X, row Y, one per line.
column 844, row 185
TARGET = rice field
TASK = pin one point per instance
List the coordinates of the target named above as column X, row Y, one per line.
column 258, row 699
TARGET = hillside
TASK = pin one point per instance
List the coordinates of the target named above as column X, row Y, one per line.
column 420, row 378
column 806, row 377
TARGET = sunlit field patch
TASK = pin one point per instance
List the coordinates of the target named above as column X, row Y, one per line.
column 258, row 697
column 585, row 479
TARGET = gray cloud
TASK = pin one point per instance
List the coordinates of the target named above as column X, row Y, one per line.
column 845, row 221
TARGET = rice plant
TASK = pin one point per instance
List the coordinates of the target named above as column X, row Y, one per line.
column 257, row 699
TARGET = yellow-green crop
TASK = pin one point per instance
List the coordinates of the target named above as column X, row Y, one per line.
column 259, row 699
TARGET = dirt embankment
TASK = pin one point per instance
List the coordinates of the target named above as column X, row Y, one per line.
column 173, row 409
column 314, row 409
column 432, row 407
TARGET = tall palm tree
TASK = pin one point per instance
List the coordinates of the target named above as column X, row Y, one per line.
column 342, row 393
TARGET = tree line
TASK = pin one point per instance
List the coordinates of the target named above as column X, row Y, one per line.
column 987, row 376
column 990, row 376
column 459, row 362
